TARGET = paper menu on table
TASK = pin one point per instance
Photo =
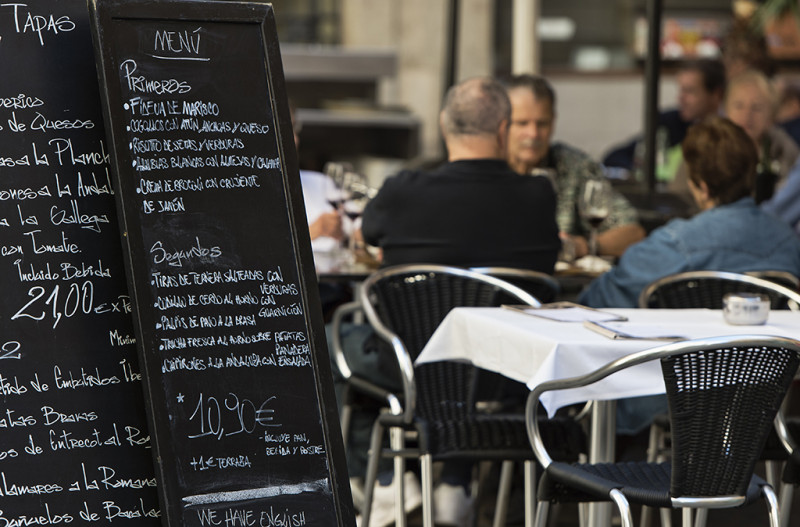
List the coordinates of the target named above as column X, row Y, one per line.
column 567, row 312
column 630, row 330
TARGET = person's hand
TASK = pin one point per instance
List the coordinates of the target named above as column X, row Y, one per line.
column 327, row 224
column 580, row 247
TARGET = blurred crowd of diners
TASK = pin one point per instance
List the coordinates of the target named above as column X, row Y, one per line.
column 739, row 86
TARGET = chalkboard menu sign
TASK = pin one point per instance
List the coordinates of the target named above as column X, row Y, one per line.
column 74, row 441
column 226, row 307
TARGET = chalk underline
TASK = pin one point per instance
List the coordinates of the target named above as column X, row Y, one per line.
column 162, row 57
column 251, row 494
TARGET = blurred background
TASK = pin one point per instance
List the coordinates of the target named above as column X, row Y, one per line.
column 368, row 76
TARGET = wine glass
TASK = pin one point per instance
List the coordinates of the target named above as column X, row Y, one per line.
column 335, row 196
column 353, row 208
column 594, row 205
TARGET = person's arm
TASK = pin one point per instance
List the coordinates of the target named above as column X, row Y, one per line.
column 612, row 242
column 327, row 224
column 658, row 255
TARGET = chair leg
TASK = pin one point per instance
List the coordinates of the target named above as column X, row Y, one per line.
column 503, row 492
column 426, row 472
column 655, row 445
column 542, row 508
column 371, row 476
column 624, row 508
column 686, row 514
column 647, row 513
column 397, row 442
column 666, row 517
column 772, row 506
column 701, row 518
column 785, row 503
column 530, row 492
column 772, row 469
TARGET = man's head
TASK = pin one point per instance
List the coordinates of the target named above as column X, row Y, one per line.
column 750, row 103
column 474, row 119
column 721, row 159
column 533, row 116
column 701, row 84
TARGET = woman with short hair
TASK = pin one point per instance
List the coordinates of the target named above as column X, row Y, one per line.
column 730, row 233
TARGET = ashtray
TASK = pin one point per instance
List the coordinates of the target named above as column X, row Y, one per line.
column 745, row 309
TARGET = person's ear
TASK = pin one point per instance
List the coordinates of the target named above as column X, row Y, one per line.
column 703, row 187
column 502, row 135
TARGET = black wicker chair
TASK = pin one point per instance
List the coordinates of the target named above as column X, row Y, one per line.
column 705, row 289
column 543, row 286
column 405, row 305
column 723, row 395
column 352, row 310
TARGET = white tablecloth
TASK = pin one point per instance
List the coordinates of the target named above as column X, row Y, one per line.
column 533, row 350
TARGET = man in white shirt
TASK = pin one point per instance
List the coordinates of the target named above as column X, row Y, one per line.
column 324, row 223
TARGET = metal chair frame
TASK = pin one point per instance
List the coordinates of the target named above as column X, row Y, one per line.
column 746, row 282
column 402, row 406
column 617, row 496
column 784, row 278
column 541, row 285
column 784, row 428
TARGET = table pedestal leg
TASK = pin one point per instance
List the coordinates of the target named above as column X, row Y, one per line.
column 601, row 450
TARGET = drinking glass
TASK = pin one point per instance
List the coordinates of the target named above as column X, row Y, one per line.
column 353, row 208
column 594, row 205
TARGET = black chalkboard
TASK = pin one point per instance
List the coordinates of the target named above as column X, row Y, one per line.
column 226, row 308
column 74, row 445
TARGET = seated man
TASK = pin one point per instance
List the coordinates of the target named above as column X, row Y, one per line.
column 473, row 211
column 701, row 84
column 324, row 224
column 529, row 148
column 729, row 234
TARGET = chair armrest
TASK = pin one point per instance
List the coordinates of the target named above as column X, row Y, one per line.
column 339, row 316
column 787, row 440
column 404, row 362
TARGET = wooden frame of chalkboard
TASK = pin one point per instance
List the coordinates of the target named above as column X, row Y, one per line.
column 229, row 327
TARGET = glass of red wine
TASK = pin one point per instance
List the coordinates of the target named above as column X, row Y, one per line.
column 353, row 208
column 594, row 205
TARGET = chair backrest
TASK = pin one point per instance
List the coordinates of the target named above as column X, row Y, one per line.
column 723, row 394
column 705, row 289
column 723, row 401
column 406, row 303
column 542, row 286
column 784, row 278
